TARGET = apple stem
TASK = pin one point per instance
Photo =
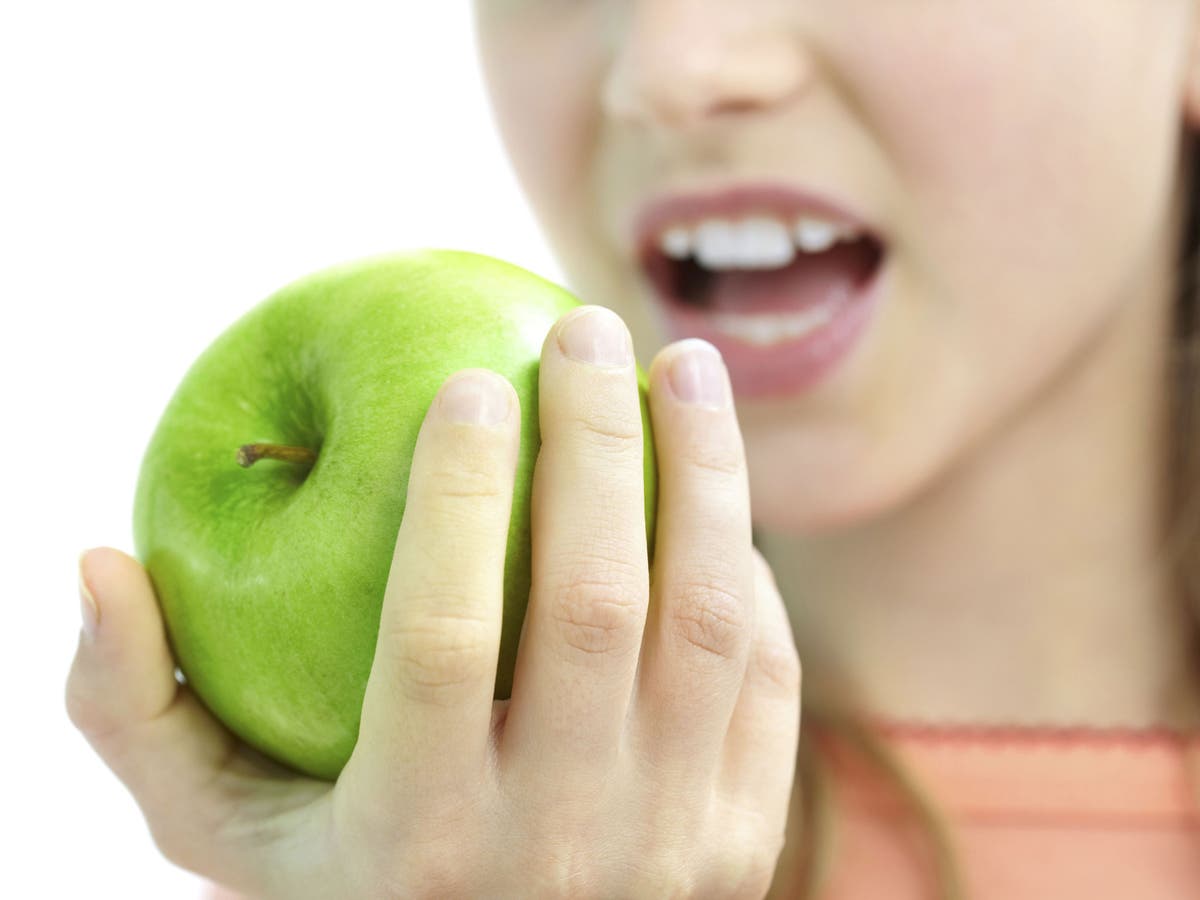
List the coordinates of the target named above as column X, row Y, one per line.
column 249, row 454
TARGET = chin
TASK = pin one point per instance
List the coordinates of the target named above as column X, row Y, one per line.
column 801, row 488
column 810, row 510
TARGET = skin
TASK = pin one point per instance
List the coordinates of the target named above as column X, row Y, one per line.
column 984, row 475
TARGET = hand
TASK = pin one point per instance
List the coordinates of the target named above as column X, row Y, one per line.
column 649, row 745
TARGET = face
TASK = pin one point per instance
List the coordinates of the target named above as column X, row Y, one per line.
column 1000, row 178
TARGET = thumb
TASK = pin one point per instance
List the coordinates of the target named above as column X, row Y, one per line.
column 122, row 695
column 212, row 805
column 123, row 672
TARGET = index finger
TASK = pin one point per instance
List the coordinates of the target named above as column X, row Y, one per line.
column 426, row 718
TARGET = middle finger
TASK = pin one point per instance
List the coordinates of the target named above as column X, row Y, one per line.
column 580, row 642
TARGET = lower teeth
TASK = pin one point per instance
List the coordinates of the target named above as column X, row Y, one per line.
column 766, row 329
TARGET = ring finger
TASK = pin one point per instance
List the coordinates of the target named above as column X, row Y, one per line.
column 702, row 615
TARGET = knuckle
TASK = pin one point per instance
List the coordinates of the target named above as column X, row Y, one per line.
column 610, row 434
column 440, row 872
column 664, row 869
column 563, row 868
column 81, row 711
column 598, row 616
column 722, row 458
column 658, row 881
column 464, row 498
column 88, row 714
column 763, row 571
column 441, row 654
column 467, row 481
column 741, row 872
column 711, row 616
column 777, row 665
column 758, row 865
column 425, row 879
column 755, row 879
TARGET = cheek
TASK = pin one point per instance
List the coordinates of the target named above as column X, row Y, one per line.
column 1034, row 156
column 555, row 137
column 1030, row 145
column 548, row 132
column 1032, row 166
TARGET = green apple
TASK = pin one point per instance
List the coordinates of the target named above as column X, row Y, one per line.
column 271, row 576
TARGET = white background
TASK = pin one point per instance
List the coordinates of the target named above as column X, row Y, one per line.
column 163, row 167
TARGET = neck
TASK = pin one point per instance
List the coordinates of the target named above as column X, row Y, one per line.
column 1028, row 585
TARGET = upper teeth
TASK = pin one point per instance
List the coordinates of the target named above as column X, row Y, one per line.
column 759, row 242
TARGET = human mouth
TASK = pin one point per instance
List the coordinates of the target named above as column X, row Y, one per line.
column 782, row 282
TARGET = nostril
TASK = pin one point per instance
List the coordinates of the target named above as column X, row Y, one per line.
column 733, row 106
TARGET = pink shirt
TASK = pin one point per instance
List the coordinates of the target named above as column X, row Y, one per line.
column 1034, row 812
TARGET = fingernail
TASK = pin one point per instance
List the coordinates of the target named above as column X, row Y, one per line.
column 89, row 611
column 697, row 375
column 596, row 336
column 476, row 398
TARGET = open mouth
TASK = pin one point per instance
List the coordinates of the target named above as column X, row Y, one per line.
column 760, row 267
column 785, row 295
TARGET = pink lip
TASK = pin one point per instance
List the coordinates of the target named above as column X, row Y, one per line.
column 789, row 367
column 742, row 200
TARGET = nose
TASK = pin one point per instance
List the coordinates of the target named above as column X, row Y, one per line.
column 682, row 62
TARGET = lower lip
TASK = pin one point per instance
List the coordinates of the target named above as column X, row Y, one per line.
column 788, row 367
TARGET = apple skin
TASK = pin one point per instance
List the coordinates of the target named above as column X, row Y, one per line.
column 271, row 578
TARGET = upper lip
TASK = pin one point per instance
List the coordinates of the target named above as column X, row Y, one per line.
column 740, row 201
